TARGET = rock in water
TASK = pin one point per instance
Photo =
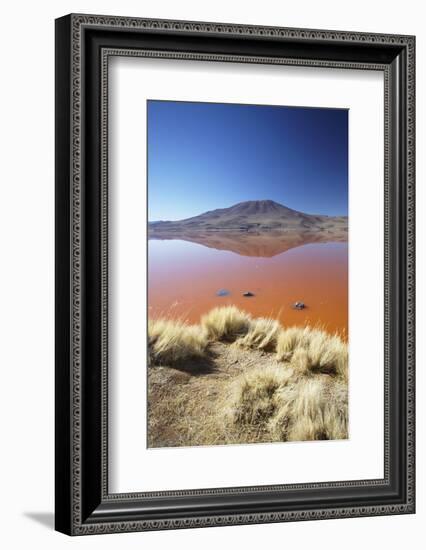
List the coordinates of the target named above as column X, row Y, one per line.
column 299, row 305
column 248, row 294
column 223, row 292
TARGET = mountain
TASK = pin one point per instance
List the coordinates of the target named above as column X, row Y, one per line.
column 250, row 216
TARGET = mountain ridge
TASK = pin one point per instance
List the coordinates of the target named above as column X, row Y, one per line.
column 249, row 215
column 250, row 207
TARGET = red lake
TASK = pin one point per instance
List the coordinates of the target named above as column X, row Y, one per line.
column 184, row 279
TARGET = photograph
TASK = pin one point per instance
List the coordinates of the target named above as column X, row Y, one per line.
column 248, row 235
column 235, row 295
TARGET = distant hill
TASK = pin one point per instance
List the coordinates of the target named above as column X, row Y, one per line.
column 255, row 217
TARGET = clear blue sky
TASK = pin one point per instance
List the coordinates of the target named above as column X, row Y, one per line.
column 203, row 156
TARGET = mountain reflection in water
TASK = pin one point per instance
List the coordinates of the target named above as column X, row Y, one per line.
column 260, row 245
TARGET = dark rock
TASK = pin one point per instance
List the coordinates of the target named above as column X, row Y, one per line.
column 248, row 294
column 223, row 292
column 298, row 305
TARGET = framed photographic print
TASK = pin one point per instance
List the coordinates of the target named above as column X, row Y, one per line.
column 234, row 274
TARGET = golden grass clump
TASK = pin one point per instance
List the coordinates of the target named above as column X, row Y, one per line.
column 289, row 340
column 312, row 350
column 262, row 334
column 327, row 353
column 252, row 401
column 225, row 323
column 303, row 397
column 289, row 406
column 310, row 409
column 172, row 342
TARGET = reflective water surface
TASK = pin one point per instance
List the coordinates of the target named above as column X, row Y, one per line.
column 187, row 278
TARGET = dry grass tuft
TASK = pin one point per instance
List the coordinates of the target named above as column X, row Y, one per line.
column 262, row 334
column 310, row 409
column 173, row 342
column 289, row 406
column 252, row 401
column 289, row 340
column 304, row 397
column 300, row 362
column 312, row 351
column 327, row 353
column 225, row 323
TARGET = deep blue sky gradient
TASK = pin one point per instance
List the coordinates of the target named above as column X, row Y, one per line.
column 203, row 156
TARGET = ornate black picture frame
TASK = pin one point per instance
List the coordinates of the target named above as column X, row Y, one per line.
column 84, row 43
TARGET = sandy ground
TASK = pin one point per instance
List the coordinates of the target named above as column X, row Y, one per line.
column 187, row 407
